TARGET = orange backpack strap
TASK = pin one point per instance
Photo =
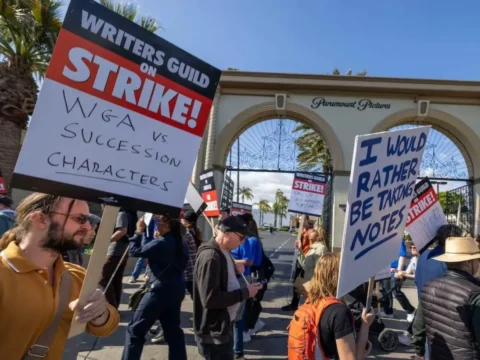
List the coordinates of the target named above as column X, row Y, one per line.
column 320, row 309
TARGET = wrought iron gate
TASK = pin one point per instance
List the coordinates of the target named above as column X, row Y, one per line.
column 327, row 215
column 459, row 207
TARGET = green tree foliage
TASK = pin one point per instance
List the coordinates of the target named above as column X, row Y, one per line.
column 245, row 193
column 450, row 200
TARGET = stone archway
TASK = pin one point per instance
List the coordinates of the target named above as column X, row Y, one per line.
column 456, row 130
column 462, row 135
column 266, row 111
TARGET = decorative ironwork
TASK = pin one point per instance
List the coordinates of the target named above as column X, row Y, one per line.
column 327, row 215
column 269, row 146
column 459, row 208
column 441, row 159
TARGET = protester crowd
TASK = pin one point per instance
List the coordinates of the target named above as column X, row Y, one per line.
column 226, row 277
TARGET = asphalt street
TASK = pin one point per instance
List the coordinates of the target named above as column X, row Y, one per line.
column 271, row 343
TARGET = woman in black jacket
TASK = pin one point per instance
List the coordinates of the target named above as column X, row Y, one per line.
column 167, row 258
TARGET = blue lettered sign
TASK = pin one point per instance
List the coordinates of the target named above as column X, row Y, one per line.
column 382, row 182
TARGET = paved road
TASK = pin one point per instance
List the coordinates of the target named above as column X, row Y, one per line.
column 268, row 344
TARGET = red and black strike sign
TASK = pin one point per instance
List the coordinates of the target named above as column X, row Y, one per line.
column 126, row 111
column 308, row 193
column 209, row 193
column 425, row 197
column 309, row 186
column 135, row 69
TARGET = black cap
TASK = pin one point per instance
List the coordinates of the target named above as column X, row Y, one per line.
column 247, row 217
column 5, row 200
column 234, row 224
column 225, row 209
column 190, row 216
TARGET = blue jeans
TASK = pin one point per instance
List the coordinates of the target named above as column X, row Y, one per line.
column 140, row 262
column 240, row 326
column 161, row 304
column 238, row 329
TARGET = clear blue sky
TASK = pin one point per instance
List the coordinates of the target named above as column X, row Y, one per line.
column 406, row 38
column 399, row 38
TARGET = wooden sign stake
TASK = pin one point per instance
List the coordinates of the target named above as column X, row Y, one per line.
column 371, row 284
column 97, row 260
column 210, row 223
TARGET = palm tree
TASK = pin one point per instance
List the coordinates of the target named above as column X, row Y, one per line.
column 131, row 12
column 28, row 31
column 279, row 207
column 312, row 149
column 245, row 193
column 265, row 208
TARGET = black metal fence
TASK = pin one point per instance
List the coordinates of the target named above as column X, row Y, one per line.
column 458, row 206
column 327, row 213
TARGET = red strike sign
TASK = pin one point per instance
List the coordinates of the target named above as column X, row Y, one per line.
column 308, row 186
column 94, row 70
column 425, row 202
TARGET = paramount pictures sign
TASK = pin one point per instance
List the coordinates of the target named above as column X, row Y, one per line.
column 360, row 105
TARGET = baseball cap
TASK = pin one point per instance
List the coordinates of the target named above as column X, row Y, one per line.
column 233, row 224
column 247, row 217
column 5, row 200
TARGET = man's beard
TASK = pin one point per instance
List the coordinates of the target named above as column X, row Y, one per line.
column 60, row 241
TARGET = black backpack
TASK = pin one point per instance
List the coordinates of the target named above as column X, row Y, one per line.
column 266, row 268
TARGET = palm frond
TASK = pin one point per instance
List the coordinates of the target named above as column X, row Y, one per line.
column 131, row 12
column 149, row 23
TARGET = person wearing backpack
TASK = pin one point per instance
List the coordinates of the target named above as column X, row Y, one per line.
column 7, row 215
column 328, row 319
column 167, row 257
column 253, row 305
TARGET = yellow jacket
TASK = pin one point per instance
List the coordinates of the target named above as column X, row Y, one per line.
column 28, row 304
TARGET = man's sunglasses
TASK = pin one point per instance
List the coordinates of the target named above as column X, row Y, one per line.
column 80, row 218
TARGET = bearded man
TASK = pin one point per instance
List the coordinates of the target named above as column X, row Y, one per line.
column 38, row 291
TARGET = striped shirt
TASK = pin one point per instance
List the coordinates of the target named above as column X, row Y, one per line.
column 192, row 254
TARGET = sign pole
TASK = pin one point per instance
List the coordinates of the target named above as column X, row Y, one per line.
column 371, row 285
column 95, row 265
column 209, row 223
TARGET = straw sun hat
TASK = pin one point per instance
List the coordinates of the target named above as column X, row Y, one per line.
column 458, row 249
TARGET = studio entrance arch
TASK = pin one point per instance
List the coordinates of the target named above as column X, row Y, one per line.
column 266, row 111
column 277, row 148
column 448, row 165
column 339, row 108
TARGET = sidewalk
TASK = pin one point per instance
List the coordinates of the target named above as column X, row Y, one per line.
column 271, row 343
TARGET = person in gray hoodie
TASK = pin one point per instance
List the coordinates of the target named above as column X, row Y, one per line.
column 216, row 291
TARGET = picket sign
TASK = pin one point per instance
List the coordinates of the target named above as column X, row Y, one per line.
column 95, row 265
column 371, row 285
column 143, row 117
column 210, row 223
column 308, row 194
column 385, row 169
column 426, row 215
